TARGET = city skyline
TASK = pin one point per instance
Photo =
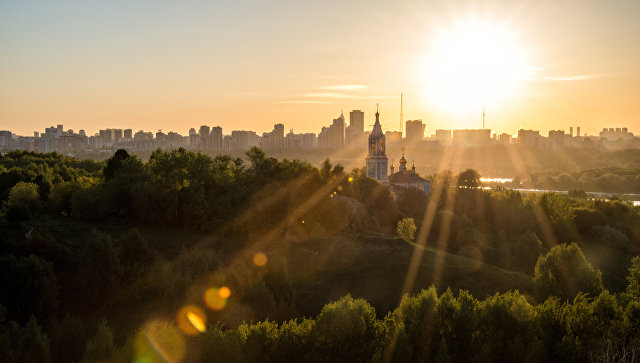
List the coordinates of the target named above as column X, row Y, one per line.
column 427, row 132
column 332, row 138
column 170, row 66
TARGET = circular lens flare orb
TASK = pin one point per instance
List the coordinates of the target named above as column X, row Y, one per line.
column 224, row 292
column 214, row 298
column 159, row 341
column 259, row 259
column 471, row 64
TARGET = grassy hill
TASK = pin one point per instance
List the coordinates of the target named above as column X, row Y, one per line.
column 322, row 270
column 319, row 270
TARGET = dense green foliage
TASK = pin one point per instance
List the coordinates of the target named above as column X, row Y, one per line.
column 565, row 272
column 406, row 229
column 130, row 241
column 594, row 180
column 428, row 327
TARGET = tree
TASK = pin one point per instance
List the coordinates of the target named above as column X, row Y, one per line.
column 114, row 163
column 418, row 315
column 260, row 340
column 121, row 188
column 101, row 348
column 633, row 288
column 564, row 272
column 469, row 178
column 68, row 340
column 412, row 202
column 24, row 344
column 44, row 187
column 347, row 331
column 135, row 251
column 99, row 265
column 443, row 179
column 526, row 251
column 294, row 342
column 325, row 170
column 60, row 197
column 557, row 209
column 24, row 195
column 28, row 287
column 577, row 193
column 406, row 229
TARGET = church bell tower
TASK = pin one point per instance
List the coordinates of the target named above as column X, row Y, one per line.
column 377, row 162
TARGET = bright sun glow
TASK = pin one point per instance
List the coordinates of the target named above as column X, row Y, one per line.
column 472, row 64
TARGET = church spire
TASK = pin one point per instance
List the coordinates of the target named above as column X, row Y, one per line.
column 377, row 166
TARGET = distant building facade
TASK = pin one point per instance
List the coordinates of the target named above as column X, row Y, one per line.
column 415, row 130
column 529, row 138
column 471, row 137
column 443, row 136
column 616, row 134
column 393, row 136
column 355, row 131
column 332, row 137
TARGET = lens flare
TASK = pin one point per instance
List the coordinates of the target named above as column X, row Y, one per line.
column 259, row 259
column 224, row 292
column 191, row 320
column 159, row 341
column 196, row 321
column 214, row 298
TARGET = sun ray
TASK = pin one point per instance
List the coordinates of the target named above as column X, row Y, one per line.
column 542, row 219
column 438, row 192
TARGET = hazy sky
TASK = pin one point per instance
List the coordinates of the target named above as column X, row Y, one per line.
column 173, row 65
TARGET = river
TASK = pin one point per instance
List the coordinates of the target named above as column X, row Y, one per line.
column 634, row 198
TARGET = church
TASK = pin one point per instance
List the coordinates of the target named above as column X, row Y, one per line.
column 377, row 164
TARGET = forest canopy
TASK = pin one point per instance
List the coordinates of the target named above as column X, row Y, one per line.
column 280, row 260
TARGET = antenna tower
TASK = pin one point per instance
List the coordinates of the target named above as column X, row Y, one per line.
column 400, row 112
column 483, row 116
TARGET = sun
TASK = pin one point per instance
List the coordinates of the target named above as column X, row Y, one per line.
column 471, row 64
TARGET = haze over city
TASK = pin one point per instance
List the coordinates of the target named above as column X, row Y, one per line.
column 161, row 65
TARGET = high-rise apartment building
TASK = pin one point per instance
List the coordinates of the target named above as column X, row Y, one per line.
column 117, row 135
column 356, row 120
column 443, row 136
column 332, row 137
column 216, row 138
column 556, row 138
column 274, row 140
column 415, row 130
